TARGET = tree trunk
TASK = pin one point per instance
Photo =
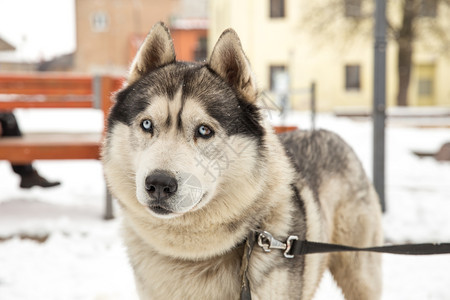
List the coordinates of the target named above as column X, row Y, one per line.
column 405, row 49
column 404, row 71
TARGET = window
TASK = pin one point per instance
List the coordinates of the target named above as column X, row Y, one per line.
column 99, row 22
column 425, row 87
column 428, row 8
column 352, row 77
column 274, row 71
column 425, row 74
column 201, row 49
column 277, row 9
column 352, row 8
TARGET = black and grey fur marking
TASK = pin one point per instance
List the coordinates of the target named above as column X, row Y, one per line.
column 196, row 82
column 314, row 152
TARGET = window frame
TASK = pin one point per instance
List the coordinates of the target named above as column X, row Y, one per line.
column 100, row 21
column 428, row 8
column 353, row 8
column 277, row 9
column 352, row 77
column 272, row 70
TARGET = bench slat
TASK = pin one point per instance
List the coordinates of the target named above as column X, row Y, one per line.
column 53, row 90
column 10, row 105
column 45, row 84
column 50, row 146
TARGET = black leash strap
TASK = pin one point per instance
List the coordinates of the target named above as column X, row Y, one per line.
column 306, row 247
column 293, row 246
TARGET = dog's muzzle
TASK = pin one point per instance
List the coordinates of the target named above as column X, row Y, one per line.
column 160, row 186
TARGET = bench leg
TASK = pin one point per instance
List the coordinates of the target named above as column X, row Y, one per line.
column 109, row 206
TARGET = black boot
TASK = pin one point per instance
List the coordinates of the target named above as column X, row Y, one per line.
column 34, row 179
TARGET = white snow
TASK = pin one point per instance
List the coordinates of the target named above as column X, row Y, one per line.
column 84, row 258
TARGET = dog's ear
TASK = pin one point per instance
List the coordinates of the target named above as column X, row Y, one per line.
column 229, row 62
column 156, row 51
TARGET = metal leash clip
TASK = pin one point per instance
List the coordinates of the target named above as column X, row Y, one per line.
column 267, row 242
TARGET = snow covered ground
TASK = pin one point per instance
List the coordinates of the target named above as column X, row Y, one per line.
column 83, row 258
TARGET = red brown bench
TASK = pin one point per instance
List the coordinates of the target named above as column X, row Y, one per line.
column 47, row 90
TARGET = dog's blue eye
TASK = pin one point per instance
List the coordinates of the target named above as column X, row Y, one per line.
column 147, row 125
column 204, row 131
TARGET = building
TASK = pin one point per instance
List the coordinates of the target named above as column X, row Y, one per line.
column 105, row 31
column 5, row 46
column 109, row 32
column 190, row 39
column 284, row 36
column 8, row 63
column 189, row 29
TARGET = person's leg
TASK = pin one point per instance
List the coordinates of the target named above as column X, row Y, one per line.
column 29, row 176
column 9, row 124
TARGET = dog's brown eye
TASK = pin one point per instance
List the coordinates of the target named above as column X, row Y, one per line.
column 204, row 131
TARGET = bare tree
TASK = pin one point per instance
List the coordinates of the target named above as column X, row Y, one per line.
column 413, row 20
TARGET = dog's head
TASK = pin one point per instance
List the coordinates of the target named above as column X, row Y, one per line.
column 182, row 134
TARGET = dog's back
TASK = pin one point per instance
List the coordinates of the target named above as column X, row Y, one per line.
column 333, row 183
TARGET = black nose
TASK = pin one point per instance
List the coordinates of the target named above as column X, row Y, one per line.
column 160, row 185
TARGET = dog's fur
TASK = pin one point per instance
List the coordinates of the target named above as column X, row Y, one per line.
column 207, row 135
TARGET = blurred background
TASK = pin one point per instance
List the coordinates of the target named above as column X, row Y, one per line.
column 314, row 63
column 298, row 38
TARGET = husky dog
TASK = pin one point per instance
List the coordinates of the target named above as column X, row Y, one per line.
column 196, row 167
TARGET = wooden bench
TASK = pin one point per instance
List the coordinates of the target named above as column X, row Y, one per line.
column 47, row 90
